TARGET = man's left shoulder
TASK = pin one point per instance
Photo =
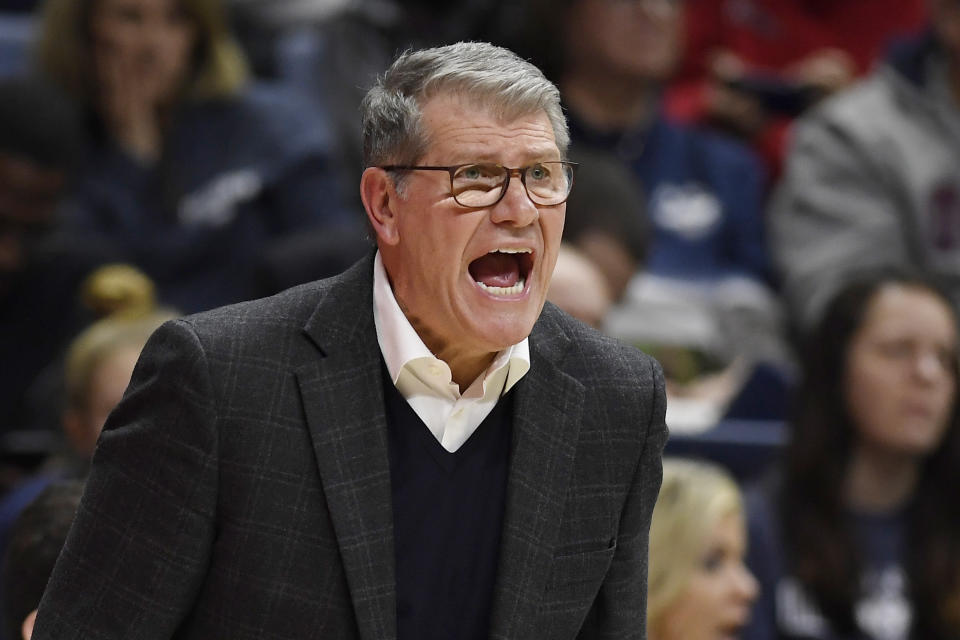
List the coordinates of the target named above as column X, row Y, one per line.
column 621, row 393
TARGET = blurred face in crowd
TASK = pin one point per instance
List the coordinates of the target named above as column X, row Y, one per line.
column 900, row 378
column 715, row 604
column 142, row 48
column 108, row 381
column 633, row 38
column 28, row 198
column 579, row 287
column 472, row 281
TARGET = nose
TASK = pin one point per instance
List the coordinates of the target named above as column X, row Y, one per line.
column 515, row 208
column 746, row 585
column 155, row 35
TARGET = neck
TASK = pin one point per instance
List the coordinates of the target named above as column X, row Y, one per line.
column 880, row 482
column 465, row 369
column 608, row 103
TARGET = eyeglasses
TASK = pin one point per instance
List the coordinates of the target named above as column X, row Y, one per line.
column 484, row 184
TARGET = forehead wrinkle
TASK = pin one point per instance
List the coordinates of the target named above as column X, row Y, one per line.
column 473, row 132
column 485, row 143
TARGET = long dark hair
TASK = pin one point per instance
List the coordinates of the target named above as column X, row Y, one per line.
column 822, row 551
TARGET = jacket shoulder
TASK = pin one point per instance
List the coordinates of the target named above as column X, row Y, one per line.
column 594, row 356
column 344, row 299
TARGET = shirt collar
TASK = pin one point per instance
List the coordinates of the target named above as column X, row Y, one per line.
column 400, row 344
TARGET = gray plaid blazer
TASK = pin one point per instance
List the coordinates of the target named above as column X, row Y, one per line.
column 241, row 490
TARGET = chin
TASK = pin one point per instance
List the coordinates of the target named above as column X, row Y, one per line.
column 500, row 333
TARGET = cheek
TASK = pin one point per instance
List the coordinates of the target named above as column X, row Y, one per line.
column 948, row 398
column 552, row 229
column 430, row 263
column 867, row 388
column 178, row 51
column 693, row 612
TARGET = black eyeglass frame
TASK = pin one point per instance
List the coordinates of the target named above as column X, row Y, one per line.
column 521, row 171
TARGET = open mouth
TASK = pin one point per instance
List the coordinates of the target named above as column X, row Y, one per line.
column 503, row 272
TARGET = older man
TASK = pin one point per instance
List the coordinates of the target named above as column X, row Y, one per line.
column 417, row 448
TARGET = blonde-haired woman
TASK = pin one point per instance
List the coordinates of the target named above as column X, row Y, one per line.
column 191, row 168
column 100, row 361
column 99, row 364
column 699, row 587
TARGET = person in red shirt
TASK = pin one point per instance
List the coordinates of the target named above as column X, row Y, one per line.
column 750, row 66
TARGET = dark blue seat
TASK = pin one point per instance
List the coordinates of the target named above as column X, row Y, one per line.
column 16, row 39
column 745, row 447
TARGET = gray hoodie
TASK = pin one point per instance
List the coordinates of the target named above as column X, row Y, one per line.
column 872, row 178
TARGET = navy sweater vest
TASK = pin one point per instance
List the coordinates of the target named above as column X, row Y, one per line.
column 447, row 518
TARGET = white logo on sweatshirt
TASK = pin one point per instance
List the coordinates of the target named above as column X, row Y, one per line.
column 215, row 203
column 883, row 612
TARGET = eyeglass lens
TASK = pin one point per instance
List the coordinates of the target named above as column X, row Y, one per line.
column 481, row 185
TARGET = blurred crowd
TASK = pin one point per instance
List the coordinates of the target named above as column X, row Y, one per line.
column 767, row 200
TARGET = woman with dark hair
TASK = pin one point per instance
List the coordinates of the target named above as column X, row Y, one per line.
column 191, row 169
column 859, row 534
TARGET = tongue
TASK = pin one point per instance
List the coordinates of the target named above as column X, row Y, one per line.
column 496, row 270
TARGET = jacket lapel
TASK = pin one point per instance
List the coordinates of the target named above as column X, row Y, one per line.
column 342, row 393
column 546, row 426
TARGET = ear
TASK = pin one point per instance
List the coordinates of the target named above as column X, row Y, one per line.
column 26, row 629
column 379, row 196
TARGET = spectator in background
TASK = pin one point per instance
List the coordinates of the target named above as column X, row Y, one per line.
column 751, row 66
column 98, row 366
column 100, row 360
column 579, row 287
column 40, row 268
column 192, row 171
column 699, row 586
column 37, row 537
column 704, row 193
column 858, row 537
column 872, row 177
column 706, row 287
column 336, row 59
column 606, row 218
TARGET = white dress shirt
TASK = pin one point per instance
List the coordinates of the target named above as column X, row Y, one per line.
column 426, row 381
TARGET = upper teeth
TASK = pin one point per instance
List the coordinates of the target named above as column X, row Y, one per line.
column 523, row 250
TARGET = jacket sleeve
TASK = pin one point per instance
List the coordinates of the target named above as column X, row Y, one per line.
column 620, row 608
column 137, row 553
column 834, row 212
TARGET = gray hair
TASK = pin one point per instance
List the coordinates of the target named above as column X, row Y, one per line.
column 492, row 76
